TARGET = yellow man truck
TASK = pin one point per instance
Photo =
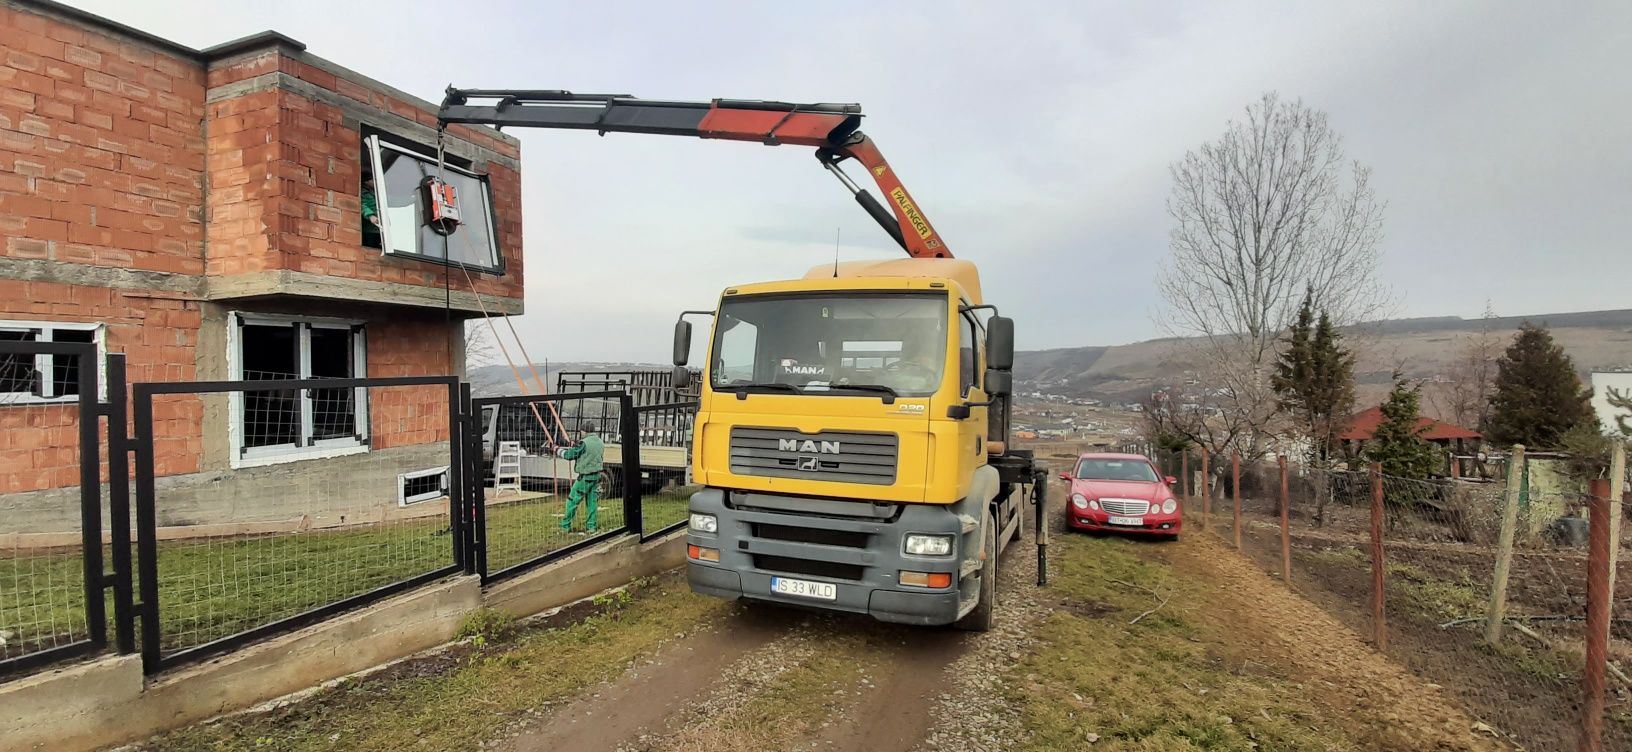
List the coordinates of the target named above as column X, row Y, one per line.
column 851, row 441
column 852, row 431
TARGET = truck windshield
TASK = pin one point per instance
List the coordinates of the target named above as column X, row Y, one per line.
column 1134, row 470
column 832, row 343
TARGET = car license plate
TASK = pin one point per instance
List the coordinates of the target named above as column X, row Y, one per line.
column 826, row 591
column 1115, row 520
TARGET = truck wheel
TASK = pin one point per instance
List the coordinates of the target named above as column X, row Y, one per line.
column 981, row 617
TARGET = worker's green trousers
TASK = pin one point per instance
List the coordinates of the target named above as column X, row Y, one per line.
column 586, row 489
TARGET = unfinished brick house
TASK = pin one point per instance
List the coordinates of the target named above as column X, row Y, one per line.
column 203, row 212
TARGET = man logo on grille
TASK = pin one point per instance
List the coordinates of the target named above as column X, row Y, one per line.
column 809, row 464
column 795, row 445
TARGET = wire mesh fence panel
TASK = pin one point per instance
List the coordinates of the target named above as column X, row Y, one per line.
column 665, row 432
column 271, row 505
column 45, row 611
column 553, row 472
column 1441, row 543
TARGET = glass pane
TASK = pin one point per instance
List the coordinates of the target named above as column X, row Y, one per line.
column 404, row 217
column 1124, row 470
column 65, row 368
column 17, row 371
column 966, row 355
column 403, row 206
column 828, row 342
column 270, row 351
column 334, row 411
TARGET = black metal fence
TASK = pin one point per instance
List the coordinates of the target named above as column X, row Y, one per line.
column 328, row 494
column 53, row 585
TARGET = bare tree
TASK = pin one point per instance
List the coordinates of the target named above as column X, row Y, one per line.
column 1471, row 378
column 480, row 349
column 1270, row 210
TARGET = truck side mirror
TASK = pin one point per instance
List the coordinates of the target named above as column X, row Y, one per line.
column 682, row 377
column 682, row 344
column 1000, row 344
column 999, row 383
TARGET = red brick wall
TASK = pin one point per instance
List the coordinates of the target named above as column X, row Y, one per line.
column 101, row 154
column 104, row 161
column 408, row 346
column 39, row 444
column 288, row 172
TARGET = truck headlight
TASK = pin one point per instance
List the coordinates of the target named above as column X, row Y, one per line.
column 929, row 545
column 704, row 523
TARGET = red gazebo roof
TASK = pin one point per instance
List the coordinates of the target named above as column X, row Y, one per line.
column 1364, row 425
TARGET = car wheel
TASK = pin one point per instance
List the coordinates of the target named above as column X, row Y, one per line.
column 981, row 618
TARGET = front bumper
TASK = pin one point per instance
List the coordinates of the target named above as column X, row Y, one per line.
column 1098, row 520
column 861, row 556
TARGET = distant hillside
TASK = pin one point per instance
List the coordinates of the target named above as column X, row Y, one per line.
column 1422, row 347
column 499, row 380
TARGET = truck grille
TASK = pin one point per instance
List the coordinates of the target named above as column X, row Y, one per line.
column 1125, row 507
column 840, row 456
column 808, row 567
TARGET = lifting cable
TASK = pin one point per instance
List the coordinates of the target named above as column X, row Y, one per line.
column 543, row 389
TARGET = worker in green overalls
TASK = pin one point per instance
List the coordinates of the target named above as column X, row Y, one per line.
column 586, row 464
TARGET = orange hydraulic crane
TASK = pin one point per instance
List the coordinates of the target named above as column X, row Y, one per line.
column 831, row 128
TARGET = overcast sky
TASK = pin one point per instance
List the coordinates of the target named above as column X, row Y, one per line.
column 1036, row 136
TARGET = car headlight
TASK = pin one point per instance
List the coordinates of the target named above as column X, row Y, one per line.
column 1079, row 501
column 929, row 545
column 705, row 523
column 1093, row 504
column 1169, row 505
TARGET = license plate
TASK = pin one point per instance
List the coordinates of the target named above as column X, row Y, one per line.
column 826, row 591
column 1115, row 520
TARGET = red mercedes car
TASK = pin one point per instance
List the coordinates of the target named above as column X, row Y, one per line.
column 1121, row 493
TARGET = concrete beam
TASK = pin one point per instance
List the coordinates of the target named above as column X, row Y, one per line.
column 68, row 273
column 356, row 113
column 285, row 282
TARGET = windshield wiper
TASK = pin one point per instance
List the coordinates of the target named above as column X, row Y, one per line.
column 743, row 389
column 889, row 394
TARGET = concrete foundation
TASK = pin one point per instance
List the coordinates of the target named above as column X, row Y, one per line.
column 107, row 702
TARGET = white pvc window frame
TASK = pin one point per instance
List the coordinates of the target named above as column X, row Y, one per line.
column 478, row 210
column 306, row 446
column 45, row 331
column 403, row 499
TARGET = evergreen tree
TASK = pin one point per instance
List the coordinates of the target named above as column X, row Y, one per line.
column 1538, row 396
column 1397, row 443
column 1314, row 377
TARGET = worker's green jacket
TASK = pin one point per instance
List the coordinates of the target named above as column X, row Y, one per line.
column 586, row 456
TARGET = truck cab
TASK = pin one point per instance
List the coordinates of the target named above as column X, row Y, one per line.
column 846, row 436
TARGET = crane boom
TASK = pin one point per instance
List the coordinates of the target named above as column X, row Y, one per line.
column 832, row 129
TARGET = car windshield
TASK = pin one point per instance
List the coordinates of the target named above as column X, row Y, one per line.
column 1131, row 470
column 824, row 343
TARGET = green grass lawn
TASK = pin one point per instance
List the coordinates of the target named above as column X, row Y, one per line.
column 213, row 588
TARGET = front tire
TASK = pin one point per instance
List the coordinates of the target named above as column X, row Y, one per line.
column 981, row 618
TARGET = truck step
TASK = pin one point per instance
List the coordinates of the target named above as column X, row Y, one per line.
column 969, row 523
column 970, row 566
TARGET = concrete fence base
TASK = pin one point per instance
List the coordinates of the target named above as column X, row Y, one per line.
column 108, row 701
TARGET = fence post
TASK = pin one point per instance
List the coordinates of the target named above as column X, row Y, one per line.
column 1617, row 494
column 1235, row 476
column 119, row 448
column 629, row 435
column 1379, row 629
column 1504, row 547
column 1206, row 494
column 1597, row 624
column 1286, row 526
column 1184, row 474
